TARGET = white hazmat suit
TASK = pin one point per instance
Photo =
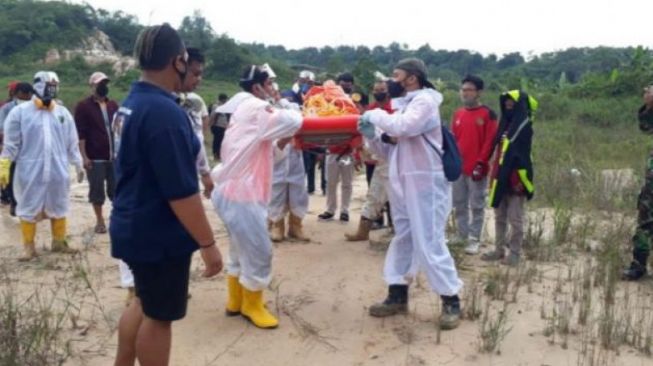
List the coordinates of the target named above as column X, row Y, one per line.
column 44, row 144
column 289, row 193
column 420, row 195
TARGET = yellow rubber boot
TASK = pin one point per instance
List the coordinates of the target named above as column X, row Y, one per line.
column 235, row 293
column 59, row 243
column 28, row 229
column 254, row 310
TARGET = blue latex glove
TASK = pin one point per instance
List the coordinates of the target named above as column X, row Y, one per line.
column 365, row 127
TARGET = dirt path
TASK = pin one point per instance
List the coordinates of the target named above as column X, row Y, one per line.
column 321, row 291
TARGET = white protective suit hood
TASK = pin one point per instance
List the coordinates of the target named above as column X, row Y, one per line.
column 232, row 104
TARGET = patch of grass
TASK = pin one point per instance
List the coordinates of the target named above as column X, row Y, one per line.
column 493, row 328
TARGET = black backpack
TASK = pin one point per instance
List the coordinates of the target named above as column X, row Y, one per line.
column 451, row 159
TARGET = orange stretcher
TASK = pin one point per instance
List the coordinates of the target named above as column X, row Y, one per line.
column 329, row 131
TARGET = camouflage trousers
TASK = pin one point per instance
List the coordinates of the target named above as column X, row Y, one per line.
column 377, row 194
column 644, row 232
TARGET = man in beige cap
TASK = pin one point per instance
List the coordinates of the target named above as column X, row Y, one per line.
column 93, row 117
column 410, row 140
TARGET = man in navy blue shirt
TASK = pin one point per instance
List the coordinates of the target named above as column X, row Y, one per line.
column 158, row 220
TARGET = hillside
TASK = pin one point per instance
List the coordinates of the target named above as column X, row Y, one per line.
column 58, row 32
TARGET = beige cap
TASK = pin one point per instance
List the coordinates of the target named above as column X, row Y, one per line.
column 97, row 78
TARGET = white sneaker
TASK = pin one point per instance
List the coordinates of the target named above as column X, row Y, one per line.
column 473, row 247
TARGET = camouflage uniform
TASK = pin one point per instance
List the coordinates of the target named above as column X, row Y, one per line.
column 377, row 194
column 644, row 232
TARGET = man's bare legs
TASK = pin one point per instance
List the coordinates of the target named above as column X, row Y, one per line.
column 142, row 338
column 130, row 322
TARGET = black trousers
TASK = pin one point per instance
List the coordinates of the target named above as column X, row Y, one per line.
column 218, row 136
column 369, row 173
column 310, row 162
column 7, row 194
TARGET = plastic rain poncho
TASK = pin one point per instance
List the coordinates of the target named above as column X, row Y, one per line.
column 243, row 183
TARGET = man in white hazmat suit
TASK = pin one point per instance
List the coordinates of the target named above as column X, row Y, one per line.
column 420, row 195
column 243, row 184
column 289, row 194
column 42, row 139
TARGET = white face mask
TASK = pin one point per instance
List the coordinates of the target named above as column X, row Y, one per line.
column 21, row 101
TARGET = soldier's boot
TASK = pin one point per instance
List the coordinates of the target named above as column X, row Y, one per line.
column 395, row 303
column 637, row 268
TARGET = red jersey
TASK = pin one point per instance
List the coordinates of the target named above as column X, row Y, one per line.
column 475, row 130
column 387, row 106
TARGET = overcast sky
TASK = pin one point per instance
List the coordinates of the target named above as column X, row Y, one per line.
column 486, row 26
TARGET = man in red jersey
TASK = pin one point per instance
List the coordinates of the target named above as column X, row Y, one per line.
column 474, row 126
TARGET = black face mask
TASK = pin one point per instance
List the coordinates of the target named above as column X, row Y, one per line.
column 380, row 97
column 347, row 90
column 49, row 94
column 395, row 90
column 102, row 90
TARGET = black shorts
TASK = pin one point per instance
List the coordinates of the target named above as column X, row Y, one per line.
column 162, row 287
column 100, row 179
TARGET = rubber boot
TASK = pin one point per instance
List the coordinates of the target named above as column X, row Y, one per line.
column 637, row 268
column 61, row 246
column 235, row 293
column 254, row 310
column 295, row 229
column 277, row 231
column 28, row 230
column 450, row 317
column 59, row 242
column 395, row 303
column 363, row 232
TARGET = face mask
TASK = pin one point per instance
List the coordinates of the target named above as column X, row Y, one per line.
column 347, row 90
column 469, row 102
column 395, row 89
column 21, row 101
column 304, row 88
column 380, row 97
column 102, row 90
column 263, row 94
column 49, row 93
